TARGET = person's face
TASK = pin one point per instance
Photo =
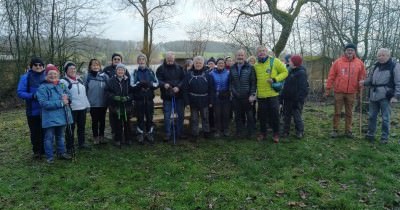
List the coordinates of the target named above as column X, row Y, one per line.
column 221, row 64
column 37, row 67
column 120, row 72
column 229, row 62
column 198, row 65
column 240, row 57
column 350, row 53
column 211, row 65
column 291, row 64
column 382, row 57
column 52, row 76
column 116, row 60
column 71, row 71
column 262, row 52
column 170, row 59
column 252, row 61
column 95, row 66
column 141, row 61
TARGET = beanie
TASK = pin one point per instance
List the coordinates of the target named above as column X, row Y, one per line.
column 115, row 55
column 296, row 60
column 350, row 45
column 120, row 65
column 51, row 67
column 67, row 65
column 36, row 60
column 212, row 59
column 287, row 57
column 219, row 59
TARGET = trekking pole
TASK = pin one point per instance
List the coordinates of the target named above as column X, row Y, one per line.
column 70, row 133
column 173, row 118
column 361, row 109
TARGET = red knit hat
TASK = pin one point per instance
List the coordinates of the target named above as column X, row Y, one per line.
column 296, row 60
column 51, row 67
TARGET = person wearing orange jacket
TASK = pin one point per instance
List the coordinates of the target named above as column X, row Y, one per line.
column 344, row 77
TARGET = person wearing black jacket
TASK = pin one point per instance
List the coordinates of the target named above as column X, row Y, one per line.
column 242, row 82
column 119, row 97
column 199, row 93
column 294, row 93
column 144, row 82
column 170, row 76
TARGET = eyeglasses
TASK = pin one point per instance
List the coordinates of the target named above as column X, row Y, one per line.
column 38, row 64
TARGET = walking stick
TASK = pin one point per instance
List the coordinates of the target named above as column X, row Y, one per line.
column 361, row 109
column 173, row 118
column 70, row 133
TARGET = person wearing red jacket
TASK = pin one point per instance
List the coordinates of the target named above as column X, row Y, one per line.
column 344, row 77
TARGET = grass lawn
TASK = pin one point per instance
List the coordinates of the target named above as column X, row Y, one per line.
column 313, row 173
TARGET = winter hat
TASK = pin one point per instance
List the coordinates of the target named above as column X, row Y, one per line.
column 212, row 59
column 51, row 67
column 350, row 45
column 115, row 55
column 120, row 65
column 287, row 57
column 141, row 56
column 36, row 60
column 67, row 65
column 296, row 60
column 219, row 59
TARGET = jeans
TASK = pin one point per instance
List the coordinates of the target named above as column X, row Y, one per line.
column 346, row 99
column 179, row 110
column 36, row 131
column 50, row 133
column 374, row 108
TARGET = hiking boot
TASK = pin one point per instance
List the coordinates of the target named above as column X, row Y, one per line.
column 217, row 134
column 117, row 143
column 194, row 138
column 260, row 137
column 150, row 138
column 64, row 156
column 349, row 135
column 371, row 139
column 226, row 134
column 96, row 140
column 276, row 138
column 129, row 142
column 50, row 161
column 84, row 147
column 285, row 135
column 36, row 156
column 299, row 135
column 102, row 140
column 140, row 138
column 334, row 134
column 166, row 138
column 206, row 135
column 384, row 141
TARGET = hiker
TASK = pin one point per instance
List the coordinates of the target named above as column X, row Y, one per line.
column 170, row 76
column 27, row 87
column 210, row 67
column 95, row 85
column 199, row 94
column 242, row 82
column 251, row 60
column 211, row 64
column 344, row 77
column 54, row 100
column 228, row 62
column 188, row 66
column 384, row 83
column 293, row 94
column 270, row 72
column 119, row 95
column 222, row 99
column 79, row 105
column 144, row 82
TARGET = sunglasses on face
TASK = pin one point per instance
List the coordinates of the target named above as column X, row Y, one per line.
column 38, row 64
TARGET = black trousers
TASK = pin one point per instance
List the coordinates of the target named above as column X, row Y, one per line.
column 122, row 127
column 243, row 115
column 36, row 134
column 222, row 109
column 98, row 115
column 292, row 109
column 79, row 117
column 144, row 114
column 268, row 112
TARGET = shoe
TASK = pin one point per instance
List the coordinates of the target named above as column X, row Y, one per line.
column 64, row 156
column 183, row 136
column 260, row 137
column 226, row 134
column 217, row 134
column 117, row 143
column 384, row 141
column 371, row 139
column 334, row 134
column 102, row 140
column 206, row 135
column 349, row 135
column 150, row 138
column 129, row 142
column 36, row 156
column 285, row 134
column 166, row 138
column 84, row 147
column 194, row 138
column 50, row 161
column 140, row 138
column 276, row 138
column 96, row 140
column 299, row 135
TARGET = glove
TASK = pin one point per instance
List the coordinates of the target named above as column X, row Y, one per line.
column 117, row 98
column 144, row 84
column 124, row 98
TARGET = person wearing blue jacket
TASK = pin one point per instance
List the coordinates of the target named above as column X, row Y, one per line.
column 54, row 100
column 27, row 87
column 222, row 100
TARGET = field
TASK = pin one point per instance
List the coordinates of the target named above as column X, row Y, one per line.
column 313, row 173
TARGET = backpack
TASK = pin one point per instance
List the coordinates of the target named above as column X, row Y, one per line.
column 390, row 84
column 203, row 76
column 70, row 84
column 88, row 79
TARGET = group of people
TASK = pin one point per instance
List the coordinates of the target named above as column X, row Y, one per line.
column 213, row 90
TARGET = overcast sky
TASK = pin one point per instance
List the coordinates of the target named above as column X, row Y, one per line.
column 126, row 25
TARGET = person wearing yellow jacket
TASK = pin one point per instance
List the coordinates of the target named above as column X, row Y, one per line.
column 268, row 71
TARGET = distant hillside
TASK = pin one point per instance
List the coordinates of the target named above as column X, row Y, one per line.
column 212, row 47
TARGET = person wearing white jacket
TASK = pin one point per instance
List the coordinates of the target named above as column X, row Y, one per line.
column 79, row 106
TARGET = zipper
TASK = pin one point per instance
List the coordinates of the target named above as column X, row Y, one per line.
column 348, row 77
